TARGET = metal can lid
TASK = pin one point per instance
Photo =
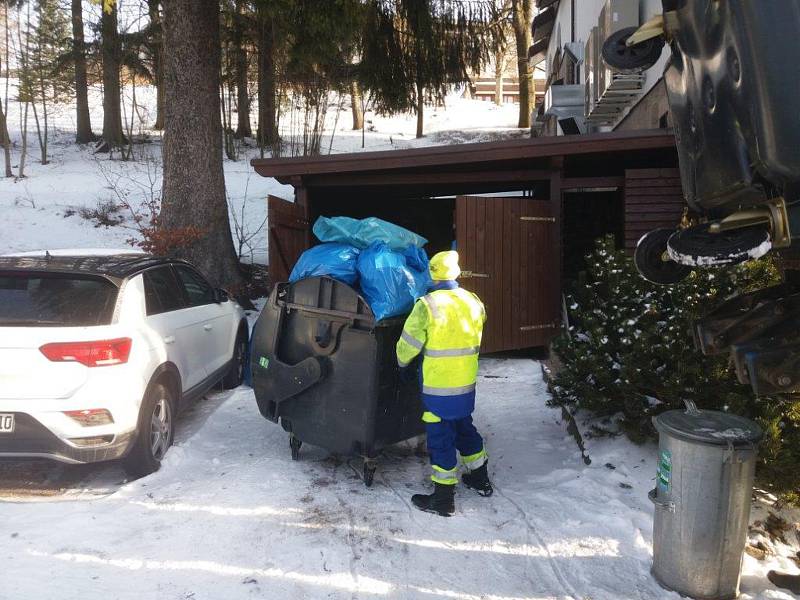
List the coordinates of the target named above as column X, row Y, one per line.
column 708, row 427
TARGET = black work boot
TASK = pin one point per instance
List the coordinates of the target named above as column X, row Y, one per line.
column 441, row 502
column 785, row 581
column 478, row 480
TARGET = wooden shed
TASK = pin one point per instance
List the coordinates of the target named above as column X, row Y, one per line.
column 522, row 213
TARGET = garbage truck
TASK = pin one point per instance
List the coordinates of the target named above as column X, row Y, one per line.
column 732, row 85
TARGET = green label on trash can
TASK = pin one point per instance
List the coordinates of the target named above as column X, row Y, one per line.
column 263, row 362
column 664, row 476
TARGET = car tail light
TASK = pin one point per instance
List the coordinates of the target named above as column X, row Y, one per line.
column 90, row 417
column 101, row 353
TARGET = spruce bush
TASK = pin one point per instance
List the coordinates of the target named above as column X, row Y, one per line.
column 627, row 352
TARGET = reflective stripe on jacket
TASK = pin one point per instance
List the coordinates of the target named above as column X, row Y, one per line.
column 445, row 327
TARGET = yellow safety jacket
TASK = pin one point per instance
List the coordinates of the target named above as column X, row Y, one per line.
column 446, row 327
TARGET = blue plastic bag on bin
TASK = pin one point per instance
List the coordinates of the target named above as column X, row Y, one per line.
column 363, row 232
column 339, row 261
column 391, row 281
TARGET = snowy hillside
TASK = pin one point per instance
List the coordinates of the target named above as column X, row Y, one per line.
column 53, row 206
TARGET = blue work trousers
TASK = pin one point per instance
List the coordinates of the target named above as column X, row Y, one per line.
column 449, row 436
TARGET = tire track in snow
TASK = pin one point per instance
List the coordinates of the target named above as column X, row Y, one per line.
column 531, row 529
column 351, row 541
column 413, row 518
column 411, row 511
column 351, row 528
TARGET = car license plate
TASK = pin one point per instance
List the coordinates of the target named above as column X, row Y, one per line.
column 6, row 423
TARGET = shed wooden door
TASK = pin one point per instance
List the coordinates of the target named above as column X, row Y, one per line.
column 507, row 249
column 288, row 236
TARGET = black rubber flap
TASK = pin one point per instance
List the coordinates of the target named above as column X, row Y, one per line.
column 709, row 427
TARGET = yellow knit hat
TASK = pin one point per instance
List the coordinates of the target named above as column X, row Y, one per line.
column 444, row 266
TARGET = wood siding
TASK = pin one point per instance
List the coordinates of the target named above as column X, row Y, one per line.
column 653, row 199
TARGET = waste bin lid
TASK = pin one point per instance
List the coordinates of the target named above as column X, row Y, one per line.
column 708, row 427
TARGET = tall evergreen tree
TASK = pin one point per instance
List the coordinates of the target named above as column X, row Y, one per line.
column 194, row 210
column 83, row 133
column 323, row 40
column 522, row 11
column 41, row 81
column 5, row 139
column 268, row 33
column 156, row 50
column 111, row 51
column 416, row 50
column 239, row 48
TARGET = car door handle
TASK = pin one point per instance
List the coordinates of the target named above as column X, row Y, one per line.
column 170, row 339
column 208, row 327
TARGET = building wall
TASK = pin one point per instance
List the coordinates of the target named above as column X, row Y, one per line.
column 587, row 14
column 651, row 112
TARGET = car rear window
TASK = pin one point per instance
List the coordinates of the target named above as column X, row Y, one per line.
column 49, row 299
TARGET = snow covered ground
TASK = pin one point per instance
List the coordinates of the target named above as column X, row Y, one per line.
column 230, row 515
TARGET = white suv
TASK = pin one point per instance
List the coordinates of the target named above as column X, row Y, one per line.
column 99, row 353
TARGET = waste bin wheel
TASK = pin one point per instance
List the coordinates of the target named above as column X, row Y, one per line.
column 652, row 261
column 631, row 59
column 369, row 472
column 295, row 444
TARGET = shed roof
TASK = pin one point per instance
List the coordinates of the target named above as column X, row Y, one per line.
column 472, row 168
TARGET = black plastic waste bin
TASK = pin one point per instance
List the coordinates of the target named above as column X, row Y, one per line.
column 326, row 371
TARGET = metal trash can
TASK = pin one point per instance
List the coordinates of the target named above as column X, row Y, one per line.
column 706, row 465
column 327, row 371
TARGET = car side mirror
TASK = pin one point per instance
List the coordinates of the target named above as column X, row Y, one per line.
column 220, row 296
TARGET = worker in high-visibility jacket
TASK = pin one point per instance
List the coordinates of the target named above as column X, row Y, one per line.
column 445, row 326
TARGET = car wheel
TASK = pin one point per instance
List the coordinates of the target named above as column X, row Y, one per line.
column 154, row 434
column 235, row 374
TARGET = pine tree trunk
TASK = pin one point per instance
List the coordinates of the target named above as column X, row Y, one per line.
column 83, row 134
column 24, row 152
column 6, row 141
column 243, row 128
column 420, row 111
column 522, row 19
column 4, row 137
column 499, row 63
column 193, row 194
column 158, row 67
column 355, row 104
column 113, row 136
column 267, row 93
column 240, row 62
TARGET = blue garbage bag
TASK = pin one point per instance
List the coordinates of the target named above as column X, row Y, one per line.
column 391, row 281
column 334, row 260
column 363, row 232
